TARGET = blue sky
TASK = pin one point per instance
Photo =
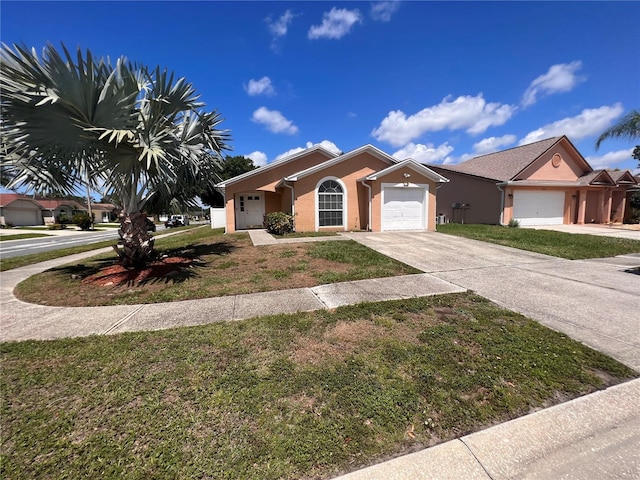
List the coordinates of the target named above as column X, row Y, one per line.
column 440, row 82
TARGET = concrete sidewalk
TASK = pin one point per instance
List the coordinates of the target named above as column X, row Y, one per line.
column 25, row 321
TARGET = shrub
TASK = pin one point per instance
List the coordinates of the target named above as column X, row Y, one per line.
column 57, row 226
column 514, row 223
column 83, row 220
column 278, row 223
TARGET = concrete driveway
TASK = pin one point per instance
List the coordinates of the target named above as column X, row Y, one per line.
column 594, row 301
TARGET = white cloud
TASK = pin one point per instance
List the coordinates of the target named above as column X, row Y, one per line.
column 259, row 158
column 279, row 27
column 493, row 144
column 382, row 11
column 336, row 23
column 559, row 79
column 274, row 121
column 424, row 153
column 465, row 112
column 326, row 144
column 609, row 160
column 589, row 122
column 260, row 87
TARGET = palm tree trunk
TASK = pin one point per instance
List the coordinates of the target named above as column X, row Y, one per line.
column 135, row 241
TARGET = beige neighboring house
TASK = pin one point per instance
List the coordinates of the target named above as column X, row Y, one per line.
column 102, row 212
column 543, row 183
column 364, row 189
column 55, row 208
column 19, row 210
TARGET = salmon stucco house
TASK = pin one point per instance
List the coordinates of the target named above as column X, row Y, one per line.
column 364, row 189
column 543, row 183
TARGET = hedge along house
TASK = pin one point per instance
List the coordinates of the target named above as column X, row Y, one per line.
column 543, row 183
column 365, row 189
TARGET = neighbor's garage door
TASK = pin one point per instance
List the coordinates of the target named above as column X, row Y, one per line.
column 403, row 208
column 22, row 216
column 538, row 207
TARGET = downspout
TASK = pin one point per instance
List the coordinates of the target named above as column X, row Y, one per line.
column 501, row 204
column 293, row 205
column 368, row 188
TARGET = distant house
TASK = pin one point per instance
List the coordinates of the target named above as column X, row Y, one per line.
column 542, row 183
column 56, row 209
column 22, row 210
column 365, row 189
column 19, row 210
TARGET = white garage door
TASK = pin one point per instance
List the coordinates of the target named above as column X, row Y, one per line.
column 22, row 216
column 538, row 207
column 403, row 208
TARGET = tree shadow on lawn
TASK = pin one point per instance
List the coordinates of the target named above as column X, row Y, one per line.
column 174, row 266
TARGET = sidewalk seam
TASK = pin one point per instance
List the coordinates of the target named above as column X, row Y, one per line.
column 123, row 320
column 461, row 439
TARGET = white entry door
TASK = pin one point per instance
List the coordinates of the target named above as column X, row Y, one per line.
column 249, row 210
column 538, row 207
column 403, row 208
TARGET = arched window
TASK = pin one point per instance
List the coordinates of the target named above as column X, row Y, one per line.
column 330, row 204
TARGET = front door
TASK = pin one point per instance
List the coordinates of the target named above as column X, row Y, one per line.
column 249, row 210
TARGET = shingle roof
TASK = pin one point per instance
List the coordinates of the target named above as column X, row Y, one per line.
column 504, row 165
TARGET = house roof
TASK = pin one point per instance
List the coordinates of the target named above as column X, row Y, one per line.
column 417, row 167
column 506, row 164
column 8, row 198
column 623, row 177
column 376, row 152
column 277, row 163
column 53, row 203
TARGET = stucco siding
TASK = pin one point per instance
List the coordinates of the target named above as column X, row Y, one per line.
column 567, row 166
column 482, row 195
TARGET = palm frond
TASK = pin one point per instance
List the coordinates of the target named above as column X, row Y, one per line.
column 627, row 127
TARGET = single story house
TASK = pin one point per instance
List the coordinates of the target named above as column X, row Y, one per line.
column 22, row 210
column 364, row 189
column 19, row 210
column 55, row 209
column 543, row 183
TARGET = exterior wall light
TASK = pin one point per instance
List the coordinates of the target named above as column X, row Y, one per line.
column 406, row 179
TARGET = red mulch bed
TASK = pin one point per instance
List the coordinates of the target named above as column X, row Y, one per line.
column 119, row 275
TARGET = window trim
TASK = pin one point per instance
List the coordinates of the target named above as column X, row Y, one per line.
column 345, row 221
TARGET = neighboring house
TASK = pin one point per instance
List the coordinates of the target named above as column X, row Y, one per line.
column 542, row 183
column 19, row 210
column 103, row 212
column 365, row 189
column 53, row 209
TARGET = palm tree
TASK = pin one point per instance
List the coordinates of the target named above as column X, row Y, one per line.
column 627, row 127
column 130, row 132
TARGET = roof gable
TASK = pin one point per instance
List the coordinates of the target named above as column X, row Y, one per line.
column 346, row 156
column 413, row 165
column 8, row 198
column 283, row 161
column 622, row 177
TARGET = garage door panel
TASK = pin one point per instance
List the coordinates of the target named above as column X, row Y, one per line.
column 403, row 208
column 538, row 207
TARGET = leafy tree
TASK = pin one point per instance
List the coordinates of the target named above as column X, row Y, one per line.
column 627, row 127
column 138, row 133
column 230, row 167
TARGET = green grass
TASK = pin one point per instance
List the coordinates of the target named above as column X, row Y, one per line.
column 222, row 265
column 22, row 236
column 308, row 234
column 24, row 260
column 558, row 244
column 300, row 396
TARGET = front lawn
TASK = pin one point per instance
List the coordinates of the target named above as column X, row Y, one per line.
column 21, row 236
column 203, row 263
column 559, row 244
column 300, row 396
